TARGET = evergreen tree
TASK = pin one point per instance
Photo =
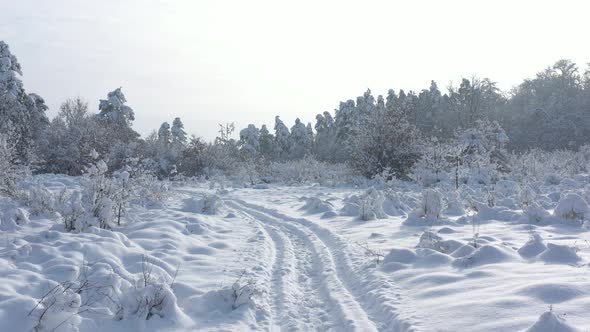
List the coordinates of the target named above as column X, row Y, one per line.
column 164, row 135
column 178, row 133
column 117, row 117
column 249, row 142
column 266, row 143
column 299, row 140
column 21, row 114
column 282, row 140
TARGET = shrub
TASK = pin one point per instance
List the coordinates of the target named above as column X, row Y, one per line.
column 572, row 207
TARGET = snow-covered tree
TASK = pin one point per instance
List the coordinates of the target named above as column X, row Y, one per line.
column 325, row 139
column 386, row 142
column 117, row 116
column 72, row 135
column 20, row 113
column 474, row 100
column 9, row 172
column 178, row 133
column 266, row 142
column 299, row 140
column 249, row 142
column 164, row 135
column 483, row 151
column 282, row 139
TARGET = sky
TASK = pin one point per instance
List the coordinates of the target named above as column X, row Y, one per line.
column 212, row 62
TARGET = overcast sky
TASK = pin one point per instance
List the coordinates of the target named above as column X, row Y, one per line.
column 212, row 62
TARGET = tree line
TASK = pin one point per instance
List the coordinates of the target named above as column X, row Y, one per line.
column 391, row 133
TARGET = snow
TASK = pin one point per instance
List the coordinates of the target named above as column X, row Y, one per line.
column 299, row 258
column 571, row 207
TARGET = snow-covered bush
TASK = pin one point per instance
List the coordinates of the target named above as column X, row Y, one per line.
column 71, row 210
column 396, row 203
column 97, row 195
column 122, row 193
column 58, row 309
column 384, row 140
column 507, row 188
column 572, row 207
column 435, row 164
column 150, row 295
column 431, row 240
column 208, row 204
column 13, row 218
column 430, row 206
column 535, row 213
column 142, row 184
column 549, row 167
column 308, row 171
column 243, row 292
column 37, row 198
column 247, row 173
column 367, row 206
column 148, row 190
column 316, row 205
column 454, row 206
column 371, row 205
column 533, row 247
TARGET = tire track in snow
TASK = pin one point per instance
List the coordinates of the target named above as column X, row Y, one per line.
column 323, row 271
column 298, row 303
column 376, row 295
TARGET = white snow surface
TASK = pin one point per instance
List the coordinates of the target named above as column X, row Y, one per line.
column 300, row 258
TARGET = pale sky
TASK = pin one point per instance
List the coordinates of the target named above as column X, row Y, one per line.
column 212, row 62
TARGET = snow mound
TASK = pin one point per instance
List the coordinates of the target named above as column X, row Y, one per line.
column 394, row 205
column 560, row 254
column 572, row 207
column 196, row 228
column 225, row 300
column 13, row 219
column 431, row 240
column 551, row 292
column 316, row 205
column 208, row 204
column 534, row 213
column 431, row 258
column 533, row 247
column 550, row 322
column 329, row 215
column 400, row 255
column 463, row 251
column 152, row 299
column 507, row 188
column 368, row 206
column 484, row 255
column 454, row 205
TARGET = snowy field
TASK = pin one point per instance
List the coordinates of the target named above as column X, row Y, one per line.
column 304, row 258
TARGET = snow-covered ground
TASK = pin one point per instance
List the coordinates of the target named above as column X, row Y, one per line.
column 280, row 258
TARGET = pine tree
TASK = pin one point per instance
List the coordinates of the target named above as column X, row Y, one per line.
column 164, row 135
column 21, row 114
column 299, row 140
column 178, row 133
column 282, row 140
column 266, row 143
column 117, row 117
column 249, row 142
